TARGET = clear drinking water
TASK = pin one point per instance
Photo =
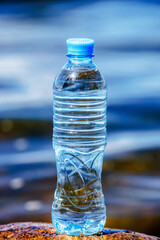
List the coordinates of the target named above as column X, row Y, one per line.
column 79, row 139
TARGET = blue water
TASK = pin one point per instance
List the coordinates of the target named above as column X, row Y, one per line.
column 79, row 140
column 127, row 51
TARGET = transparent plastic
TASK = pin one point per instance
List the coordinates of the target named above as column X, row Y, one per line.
column 79, row 140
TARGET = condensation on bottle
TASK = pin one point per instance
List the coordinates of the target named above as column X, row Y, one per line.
column 79, row 140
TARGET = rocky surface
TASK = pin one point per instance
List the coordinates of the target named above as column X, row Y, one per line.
column 46, row 231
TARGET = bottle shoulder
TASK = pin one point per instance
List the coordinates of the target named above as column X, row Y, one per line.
column 79, row 77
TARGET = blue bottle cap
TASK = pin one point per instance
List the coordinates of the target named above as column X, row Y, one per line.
column 80, row 46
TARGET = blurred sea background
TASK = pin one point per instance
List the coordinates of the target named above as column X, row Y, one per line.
column 127, row 51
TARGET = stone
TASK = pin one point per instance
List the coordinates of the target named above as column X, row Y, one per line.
column 46, row 231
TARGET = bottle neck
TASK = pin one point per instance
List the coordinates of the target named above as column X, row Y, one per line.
column 79, row 59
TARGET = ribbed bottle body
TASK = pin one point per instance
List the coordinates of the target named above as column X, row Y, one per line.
column 79, row 139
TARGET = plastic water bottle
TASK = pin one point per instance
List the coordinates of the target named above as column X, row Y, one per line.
column 79, row 140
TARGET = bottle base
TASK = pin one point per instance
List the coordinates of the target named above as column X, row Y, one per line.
column 80, row 226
